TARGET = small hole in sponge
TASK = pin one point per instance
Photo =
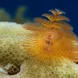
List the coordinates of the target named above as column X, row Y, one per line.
column 13, row 70
column 76, row 62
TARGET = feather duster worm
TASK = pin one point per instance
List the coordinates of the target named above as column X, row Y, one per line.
column 53, row 40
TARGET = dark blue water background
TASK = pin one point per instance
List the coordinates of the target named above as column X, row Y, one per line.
column 38, row 7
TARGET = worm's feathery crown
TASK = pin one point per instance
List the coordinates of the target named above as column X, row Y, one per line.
column 53, row 40
column 56, row 20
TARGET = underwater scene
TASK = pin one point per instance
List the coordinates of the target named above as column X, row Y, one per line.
column 38, row 39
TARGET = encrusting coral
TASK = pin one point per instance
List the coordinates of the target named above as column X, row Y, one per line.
column 47, row 48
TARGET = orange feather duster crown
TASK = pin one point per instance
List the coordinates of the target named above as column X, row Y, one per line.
column 53, row 38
